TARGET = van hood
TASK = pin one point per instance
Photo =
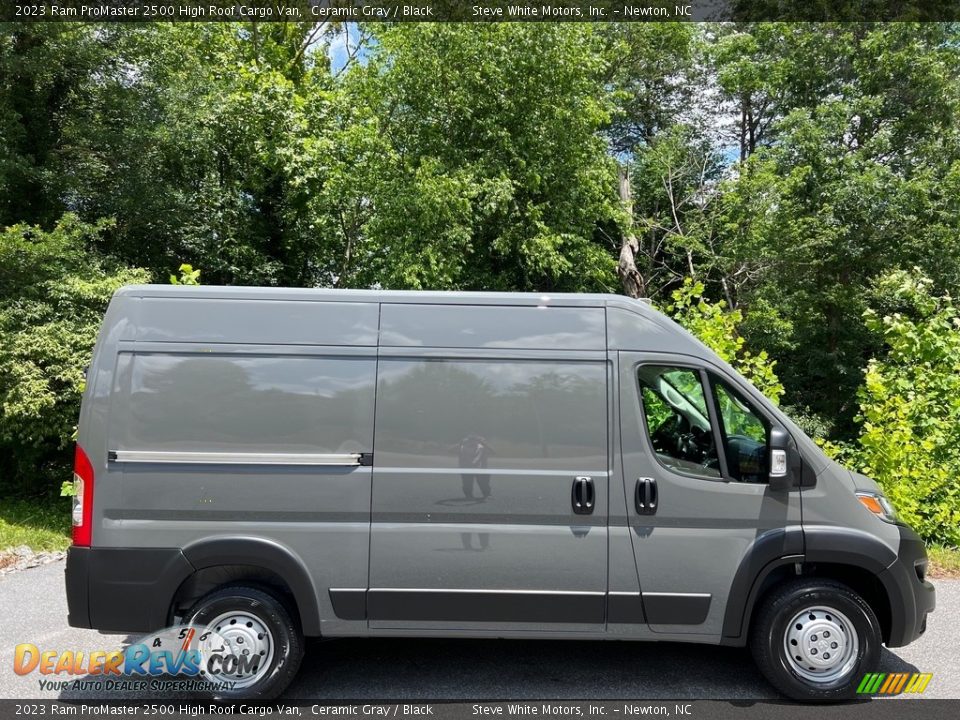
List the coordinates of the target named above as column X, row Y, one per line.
column 854, row 480
column 862, row 482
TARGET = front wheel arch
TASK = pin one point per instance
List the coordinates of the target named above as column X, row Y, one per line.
column 850, row 556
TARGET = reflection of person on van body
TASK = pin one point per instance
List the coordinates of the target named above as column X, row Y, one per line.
column 472, row 452
column 483, row 539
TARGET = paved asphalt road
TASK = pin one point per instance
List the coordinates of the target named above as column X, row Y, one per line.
column 33, row 609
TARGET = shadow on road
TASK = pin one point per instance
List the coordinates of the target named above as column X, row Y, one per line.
column 513, row 669
column 435, row 669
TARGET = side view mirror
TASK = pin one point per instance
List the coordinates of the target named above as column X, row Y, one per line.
column 786, row 465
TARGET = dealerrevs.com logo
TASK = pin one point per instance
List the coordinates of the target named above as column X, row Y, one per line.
column 182, row 658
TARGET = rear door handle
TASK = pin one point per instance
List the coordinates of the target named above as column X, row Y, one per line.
column 646, row 496
column 582, row 495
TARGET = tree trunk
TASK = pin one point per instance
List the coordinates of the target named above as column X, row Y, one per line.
column 627, row 270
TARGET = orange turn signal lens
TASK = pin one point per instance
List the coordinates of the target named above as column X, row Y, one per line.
column 872, row 503
column 878, row 505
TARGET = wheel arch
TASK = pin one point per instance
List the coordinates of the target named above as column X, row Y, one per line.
column 772, row 554
column 268, row 560
column 852, row 557
column 859, row 560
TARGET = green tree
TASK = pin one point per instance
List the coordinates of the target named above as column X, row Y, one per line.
column 782, row 167
column 187, row 276
column 717, row 327
column 53, row 293
column 195, row 138
column 651, row 72
column 486, row 166
column 672, row 178
column 851, row 172
column 43, row 67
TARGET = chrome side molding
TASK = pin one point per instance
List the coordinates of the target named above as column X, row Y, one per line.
column 240, row 458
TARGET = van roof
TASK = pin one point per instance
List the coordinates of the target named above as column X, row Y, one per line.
column 391, row 296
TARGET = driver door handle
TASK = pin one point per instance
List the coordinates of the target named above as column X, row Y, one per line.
column 646, row 496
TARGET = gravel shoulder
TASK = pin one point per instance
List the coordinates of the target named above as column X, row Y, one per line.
column 23, row 558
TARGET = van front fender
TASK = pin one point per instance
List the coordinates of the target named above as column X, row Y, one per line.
column 846, row 546
column 840, row 547
column 901, row 571
column 770, row 550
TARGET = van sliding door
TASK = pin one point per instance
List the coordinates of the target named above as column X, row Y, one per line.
column 490, row 484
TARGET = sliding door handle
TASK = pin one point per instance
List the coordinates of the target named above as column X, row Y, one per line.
column 646, row 496
column 582, row 496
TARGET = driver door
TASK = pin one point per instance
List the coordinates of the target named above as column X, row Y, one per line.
column 694, row 473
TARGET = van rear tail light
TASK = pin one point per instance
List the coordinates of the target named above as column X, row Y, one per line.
column 83, row 499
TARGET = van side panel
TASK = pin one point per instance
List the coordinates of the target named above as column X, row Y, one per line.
column 467, row 326
column 272, row 322
column 119, row 326
column 245, row 401
column 268, row 413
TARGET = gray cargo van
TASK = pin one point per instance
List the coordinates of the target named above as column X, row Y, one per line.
column 280, row 464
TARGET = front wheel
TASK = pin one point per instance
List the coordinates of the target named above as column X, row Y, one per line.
column 814, row 639
column 262, row 642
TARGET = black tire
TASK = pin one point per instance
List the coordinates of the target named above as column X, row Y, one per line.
column 275, row 616
column 767, row 640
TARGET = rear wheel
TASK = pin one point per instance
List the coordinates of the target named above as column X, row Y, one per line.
column 814, row 639
column 263, row 644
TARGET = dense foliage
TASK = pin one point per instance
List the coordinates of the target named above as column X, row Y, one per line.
column 910, row 405
column 53, row 291
column 487, row 168
column 719, row 329
column 781, row 176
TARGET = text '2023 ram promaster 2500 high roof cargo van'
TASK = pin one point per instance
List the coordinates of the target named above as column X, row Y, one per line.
column 270, row 464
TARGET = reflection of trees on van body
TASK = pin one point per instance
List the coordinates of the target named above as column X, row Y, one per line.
column 524, row 410
column 555, row 396
column 211, row 402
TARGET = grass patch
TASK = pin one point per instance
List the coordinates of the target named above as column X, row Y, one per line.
column 944, row 561
column 38, row 524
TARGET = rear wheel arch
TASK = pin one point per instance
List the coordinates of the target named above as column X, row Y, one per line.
column 229, row 560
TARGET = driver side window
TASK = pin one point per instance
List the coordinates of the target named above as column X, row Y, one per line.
column 675, row 408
